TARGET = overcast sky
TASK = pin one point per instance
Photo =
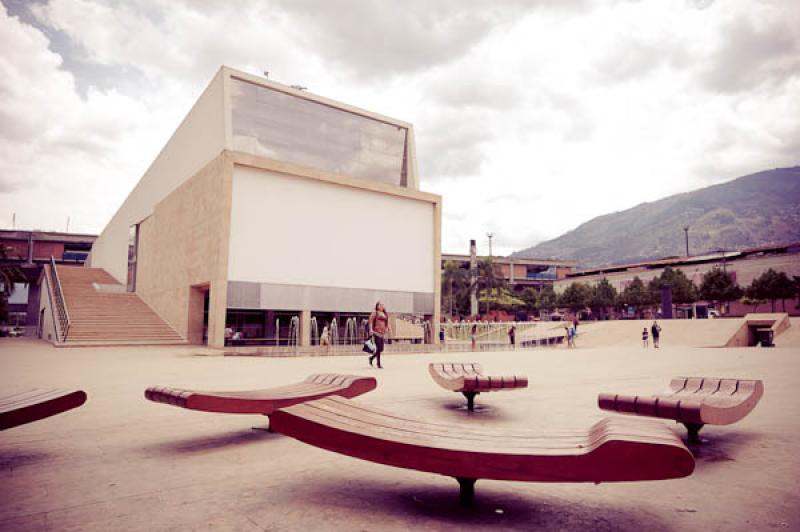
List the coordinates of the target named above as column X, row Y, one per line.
column 531, row 116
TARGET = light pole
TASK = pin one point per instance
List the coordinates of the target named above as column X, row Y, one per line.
column 686, row 230
column 489, row 289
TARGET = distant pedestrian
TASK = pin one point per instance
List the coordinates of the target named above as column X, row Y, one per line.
column 379, row 329
column 575, row 323
column 473, row 333
column 644, row 337
column 573, row 334
column 656, row 331
column 512, row 336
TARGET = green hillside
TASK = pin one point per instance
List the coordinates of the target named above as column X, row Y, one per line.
column 754, row 210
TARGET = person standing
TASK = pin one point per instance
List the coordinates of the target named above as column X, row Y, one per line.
column 473, row 334
column 379, row 329
column 512, row 336
column 644, row 337
column 655, row 330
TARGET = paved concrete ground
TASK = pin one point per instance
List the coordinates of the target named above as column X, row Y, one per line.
column 123, row 463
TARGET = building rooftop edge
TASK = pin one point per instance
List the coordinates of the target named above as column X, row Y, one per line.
column 693, row 259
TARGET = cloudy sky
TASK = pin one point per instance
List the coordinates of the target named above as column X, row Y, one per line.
column 531, row 116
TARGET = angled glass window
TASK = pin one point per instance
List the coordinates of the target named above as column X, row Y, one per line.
column 292, row 129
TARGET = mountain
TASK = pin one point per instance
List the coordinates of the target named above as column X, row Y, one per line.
column 754, row 210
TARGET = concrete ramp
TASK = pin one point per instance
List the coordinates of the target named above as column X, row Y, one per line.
column 686, row 333
column 748, row 332
column 791, row 336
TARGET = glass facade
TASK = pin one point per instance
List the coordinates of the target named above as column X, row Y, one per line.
column 288, row 128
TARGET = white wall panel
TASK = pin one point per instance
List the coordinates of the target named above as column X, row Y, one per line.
column 290, row 230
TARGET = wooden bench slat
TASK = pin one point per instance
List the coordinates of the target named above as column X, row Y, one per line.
column 263, row 401
column 21, row 407
column 612, row 450
column 411, row 431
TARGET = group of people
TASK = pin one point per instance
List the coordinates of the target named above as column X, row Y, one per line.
column 571, row 332
column 655, row 330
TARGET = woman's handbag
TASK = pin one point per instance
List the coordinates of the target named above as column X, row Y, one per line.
column 369, row 346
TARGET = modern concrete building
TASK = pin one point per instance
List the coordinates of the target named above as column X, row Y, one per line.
column 28, row 252
column 270, row 203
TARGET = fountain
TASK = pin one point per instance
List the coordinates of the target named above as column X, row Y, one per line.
column 350, row 336
column 334, row 332
column 294, row 331
column 427, row 332
column 314, row 331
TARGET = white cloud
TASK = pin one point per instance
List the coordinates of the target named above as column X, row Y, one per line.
column 531, row 117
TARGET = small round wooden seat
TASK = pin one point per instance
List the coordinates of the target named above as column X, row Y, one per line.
column 469, row 379
column 693, row 401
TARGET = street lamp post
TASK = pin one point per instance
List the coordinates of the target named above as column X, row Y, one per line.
column 686, row 231
column 490, row 289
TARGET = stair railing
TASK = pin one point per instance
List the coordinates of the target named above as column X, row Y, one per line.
column 60, row 304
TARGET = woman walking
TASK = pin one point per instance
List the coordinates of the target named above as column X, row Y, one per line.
column 379, row 329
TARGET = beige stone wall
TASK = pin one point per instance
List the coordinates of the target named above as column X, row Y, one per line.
column 184, row 244
column 198, row 139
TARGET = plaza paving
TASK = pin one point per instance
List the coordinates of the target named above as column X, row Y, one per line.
column 123, row 463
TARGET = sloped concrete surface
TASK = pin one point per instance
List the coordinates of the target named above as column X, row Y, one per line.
column 123, row 463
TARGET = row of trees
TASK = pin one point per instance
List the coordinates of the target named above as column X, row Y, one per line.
column 717, row 286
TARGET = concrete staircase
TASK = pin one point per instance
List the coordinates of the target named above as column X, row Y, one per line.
column 102, row 313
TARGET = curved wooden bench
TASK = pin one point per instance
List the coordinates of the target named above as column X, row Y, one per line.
column 266, row 401
column 470, row 380
column 693, row 401
column 25, row 406
column 613, row 450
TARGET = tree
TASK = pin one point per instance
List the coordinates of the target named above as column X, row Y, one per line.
column 751, row 298
column 529, row 296
column 488, row 279
column 9, row 275
column 547, row 299
column 796, row 283
column 602, row 296
column 500, row 298
column 772, row 285
column 636, row 295
column 455, row 281
column 575, row 297
column 719, row 287
column 683, row 290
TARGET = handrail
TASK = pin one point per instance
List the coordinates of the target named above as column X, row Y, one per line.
column 50, row 298
column 61, row 305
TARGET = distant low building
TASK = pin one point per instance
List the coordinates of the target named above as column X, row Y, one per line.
column 28, row 251
column 743, row 265
column 522, row 273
